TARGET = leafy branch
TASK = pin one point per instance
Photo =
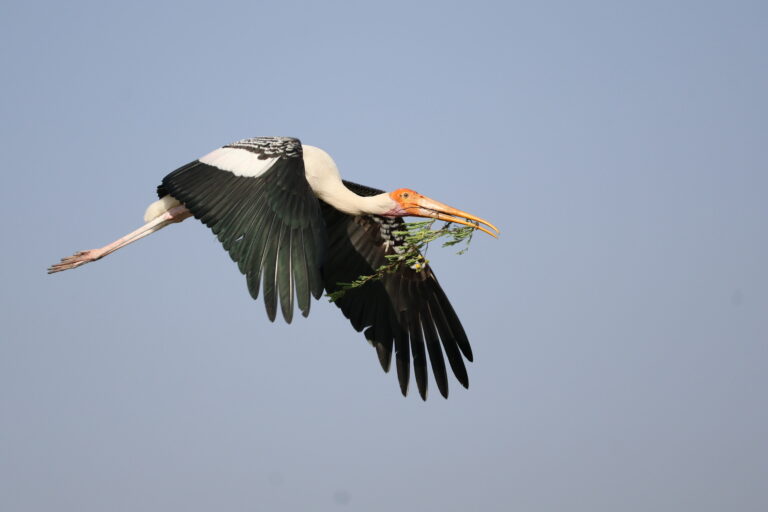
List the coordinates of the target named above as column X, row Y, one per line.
column 416, row 237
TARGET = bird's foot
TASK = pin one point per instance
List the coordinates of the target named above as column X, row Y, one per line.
column 76, row 260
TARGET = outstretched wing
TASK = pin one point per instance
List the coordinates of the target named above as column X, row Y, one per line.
column 254, row 196
column 405, row 309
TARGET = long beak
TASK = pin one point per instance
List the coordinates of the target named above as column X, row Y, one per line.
column 422, row 206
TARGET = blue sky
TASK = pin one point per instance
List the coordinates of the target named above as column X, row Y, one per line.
column 619, row 324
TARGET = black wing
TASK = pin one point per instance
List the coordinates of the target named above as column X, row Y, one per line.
column 254, row 196
column 405, row 309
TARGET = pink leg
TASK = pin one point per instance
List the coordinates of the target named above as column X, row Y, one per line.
column 177, row 214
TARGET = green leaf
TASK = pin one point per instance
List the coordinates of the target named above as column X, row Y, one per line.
column 417, row 237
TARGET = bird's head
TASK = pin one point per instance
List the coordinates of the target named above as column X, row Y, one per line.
column 410, row 203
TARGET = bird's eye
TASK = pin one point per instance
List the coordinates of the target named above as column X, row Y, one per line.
column 405, row 195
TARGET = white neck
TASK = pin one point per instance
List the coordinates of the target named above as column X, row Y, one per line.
column 324, row 178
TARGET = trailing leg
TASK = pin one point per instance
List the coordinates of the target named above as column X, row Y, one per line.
column 175, row 214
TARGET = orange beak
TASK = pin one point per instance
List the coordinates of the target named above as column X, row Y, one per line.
column 418, row 205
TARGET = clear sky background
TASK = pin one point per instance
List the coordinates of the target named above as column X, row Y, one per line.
column 620, row 324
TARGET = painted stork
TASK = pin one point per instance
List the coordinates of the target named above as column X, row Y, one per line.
column 295, row 228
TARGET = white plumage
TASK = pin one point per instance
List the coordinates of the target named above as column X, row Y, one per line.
column 239, row 161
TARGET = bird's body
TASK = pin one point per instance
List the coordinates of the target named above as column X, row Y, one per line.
column 295, row 229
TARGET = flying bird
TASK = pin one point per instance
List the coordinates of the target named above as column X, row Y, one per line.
column 295, row 228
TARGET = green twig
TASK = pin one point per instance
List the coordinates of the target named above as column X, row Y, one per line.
column 416, row 239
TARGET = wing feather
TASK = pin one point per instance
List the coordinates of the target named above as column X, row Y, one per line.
column 406, row 312
column 254, row 196
column 435, row 355
column 418, row 353
column 300, row 273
